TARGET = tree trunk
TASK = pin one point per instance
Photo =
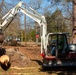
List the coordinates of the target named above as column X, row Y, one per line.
column 74, row 22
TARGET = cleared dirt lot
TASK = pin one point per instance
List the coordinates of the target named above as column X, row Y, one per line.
column 27, row 61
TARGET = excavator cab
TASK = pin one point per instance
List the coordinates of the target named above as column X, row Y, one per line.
column 58, row 45
column 58, row 52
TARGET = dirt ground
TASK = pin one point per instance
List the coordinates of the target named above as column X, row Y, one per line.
column 24, row 61
column 23, row 56
column 27, row 61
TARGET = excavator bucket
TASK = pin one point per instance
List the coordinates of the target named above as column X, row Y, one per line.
column 4, row 60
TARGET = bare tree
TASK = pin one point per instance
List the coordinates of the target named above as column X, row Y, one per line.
column 14, row 27
column 35, row 4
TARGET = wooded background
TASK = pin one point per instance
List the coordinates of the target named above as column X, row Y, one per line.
column 60, row 17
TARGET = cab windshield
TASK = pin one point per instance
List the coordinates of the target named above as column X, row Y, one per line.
column 57, row 43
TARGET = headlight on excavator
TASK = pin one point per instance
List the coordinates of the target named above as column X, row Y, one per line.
column 72, row 47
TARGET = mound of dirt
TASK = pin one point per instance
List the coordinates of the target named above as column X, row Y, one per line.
column 17, row 58
column 24, row 56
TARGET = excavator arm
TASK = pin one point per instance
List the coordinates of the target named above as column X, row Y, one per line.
column 40, row 19
column 10, row 16
column 42, row 23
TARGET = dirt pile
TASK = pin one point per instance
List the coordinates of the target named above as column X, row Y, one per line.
column 17, row 58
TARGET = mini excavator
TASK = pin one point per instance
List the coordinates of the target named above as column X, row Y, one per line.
column 55, row 49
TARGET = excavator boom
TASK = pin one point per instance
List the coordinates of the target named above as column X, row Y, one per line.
column 40, row 19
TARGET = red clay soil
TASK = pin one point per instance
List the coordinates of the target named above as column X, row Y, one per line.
column 24, row 56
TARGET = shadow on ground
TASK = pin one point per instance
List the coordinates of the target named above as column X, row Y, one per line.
column 38, row 61
column 57, row 70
